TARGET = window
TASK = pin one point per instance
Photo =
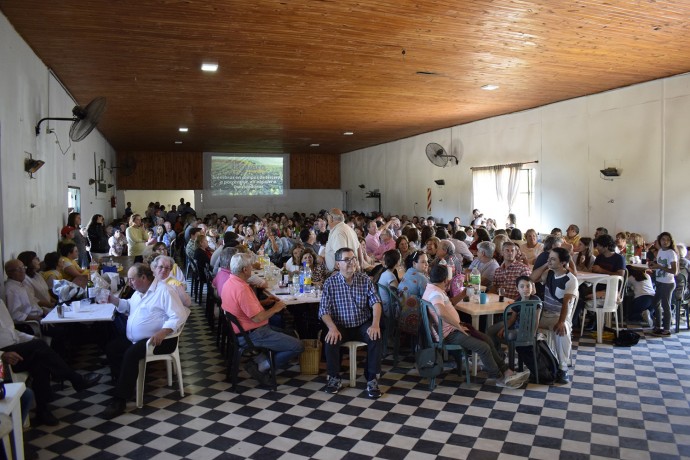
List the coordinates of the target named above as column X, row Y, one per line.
column 490, row 190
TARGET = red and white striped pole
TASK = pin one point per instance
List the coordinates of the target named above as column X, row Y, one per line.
column 428, row 201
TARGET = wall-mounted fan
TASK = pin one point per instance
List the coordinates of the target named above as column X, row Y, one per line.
column 84, row 119
column 438, row 155
column 127, row 167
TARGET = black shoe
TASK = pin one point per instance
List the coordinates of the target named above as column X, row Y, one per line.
column 373, row 391
column 115, row 408
column 256, row 374
column 45, row 418
column 562, row 377
column 333, row 386
column 88, row 381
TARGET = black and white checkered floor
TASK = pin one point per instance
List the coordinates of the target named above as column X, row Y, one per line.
column 627, row 403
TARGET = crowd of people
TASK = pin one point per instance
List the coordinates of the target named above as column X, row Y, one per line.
column 349, row 255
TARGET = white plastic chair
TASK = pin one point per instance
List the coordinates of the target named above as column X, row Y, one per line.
column 602, row 306
column 169, row 358
column 353, row 345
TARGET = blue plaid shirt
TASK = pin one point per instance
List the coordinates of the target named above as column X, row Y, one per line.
column 348, row 305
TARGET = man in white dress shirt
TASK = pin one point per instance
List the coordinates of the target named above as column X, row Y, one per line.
column 155, row 311
column 21, row 300
column 341, row 236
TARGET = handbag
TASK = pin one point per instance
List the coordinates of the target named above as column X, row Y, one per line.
column 429, row 362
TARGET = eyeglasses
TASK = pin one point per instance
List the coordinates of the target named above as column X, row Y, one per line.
column 131, row 280
column 164, row 267
column 348, row 261
column 22, row 268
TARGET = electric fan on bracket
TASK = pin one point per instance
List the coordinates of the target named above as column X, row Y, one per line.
column 84, row 119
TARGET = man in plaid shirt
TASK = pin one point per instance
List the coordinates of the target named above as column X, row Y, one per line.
column 351, row 309
column 509, row 271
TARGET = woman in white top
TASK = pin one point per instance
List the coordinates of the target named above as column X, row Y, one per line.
column 666, row 268
column 643, row 291
column 531, row 248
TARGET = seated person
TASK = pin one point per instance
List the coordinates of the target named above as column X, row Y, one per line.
column 70, row 267
column 117, row 243
column 155, row 311
column 351, row 310
column 239, row 299
column 560, row 296
column 26, row 353
column 608, row 262
column 293, row 262
column 21, row 300
column 485, row 263
column 496, row 332
column 415, row 279
column 319, row 272
column 38, row 283
column 162, row 267
column 53, row 266
column 458, row 333
column 506, row 275
column 201, row 257
column 531, row 248
column 388, row 278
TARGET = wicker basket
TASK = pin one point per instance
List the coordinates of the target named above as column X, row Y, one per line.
column 311, row 356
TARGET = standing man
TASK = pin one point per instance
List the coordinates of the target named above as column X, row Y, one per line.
column 239, row 299
column 351, row 309
column 155, row 311
column 560, row 296
column 341, row 236
column 507, row 274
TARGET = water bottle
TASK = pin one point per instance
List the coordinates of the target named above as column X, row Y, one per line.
column 476, row 283
column 307, row 280
column 294, row 288
column 301, row 277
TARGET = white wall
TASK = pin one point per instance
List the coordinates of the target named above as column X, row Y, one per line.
column 642, row 130
column 292, row 200
column 29, row 93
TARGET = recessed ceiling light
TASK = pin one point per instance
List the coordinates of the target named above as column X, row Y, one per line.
column 489, row 87
column 183, row 129
column 209, row 66
column 314, row 145
column 348, row 133
column 178, row 142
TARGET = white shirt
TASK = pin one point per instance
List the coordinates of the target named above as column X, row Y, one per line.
column 41, row 289
column 158, row 308
column 8, row 334
column 341, row 236
column 21, row 300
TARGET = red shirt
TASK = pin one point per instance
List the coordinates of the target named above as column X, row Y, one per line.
column 239, row 299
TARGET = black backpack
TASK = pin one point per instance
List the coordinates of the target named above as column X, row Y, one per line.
column 546, row 366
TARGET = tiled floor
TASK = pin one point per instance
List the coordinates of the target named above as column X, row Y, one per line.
column 629, row 403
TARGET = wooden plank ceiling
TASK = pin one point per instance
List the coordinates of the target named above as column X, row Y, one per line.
column 298, row 72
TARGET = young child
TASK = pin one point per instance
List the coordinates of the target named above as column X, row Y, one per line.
column 666, row 269
column 527, row 291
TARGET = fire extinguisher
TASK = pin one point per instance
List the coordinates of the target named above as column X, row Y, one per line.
column 113, row 201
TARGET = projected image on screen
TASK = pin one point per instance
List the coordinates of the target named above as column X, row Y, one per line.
column 245, row 176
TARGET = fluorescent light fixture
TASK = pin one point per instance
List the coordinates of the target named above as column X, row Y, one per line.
column 209, row 66
column 348, row 133
column 178, row 142
column 490, row 87
column 314, row 145
column 183, row 129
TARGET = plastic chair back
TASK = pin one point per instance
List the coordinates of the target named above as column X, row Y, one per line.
column 526, row 330
column 614, row 285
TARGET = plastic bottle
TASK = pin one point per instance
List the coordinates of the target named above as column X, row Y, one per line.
column 295, row 283
column 307, row 280
column 301, row 277
column 476, row 283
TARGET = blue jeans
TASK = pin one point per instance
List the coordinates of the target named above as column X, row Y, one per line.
column 284, row 347
column 332, row 352
column 640, row 304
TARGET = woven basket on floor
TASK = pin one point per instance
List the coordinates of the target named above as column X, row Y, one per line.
column 311, row 356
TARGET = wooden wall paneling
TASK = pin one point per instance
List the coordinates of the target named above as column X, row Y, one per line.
column 309, row 171
column 160, row 171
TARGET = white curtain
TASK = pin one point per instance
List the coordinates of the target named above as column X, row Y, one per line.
column 495, row 189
